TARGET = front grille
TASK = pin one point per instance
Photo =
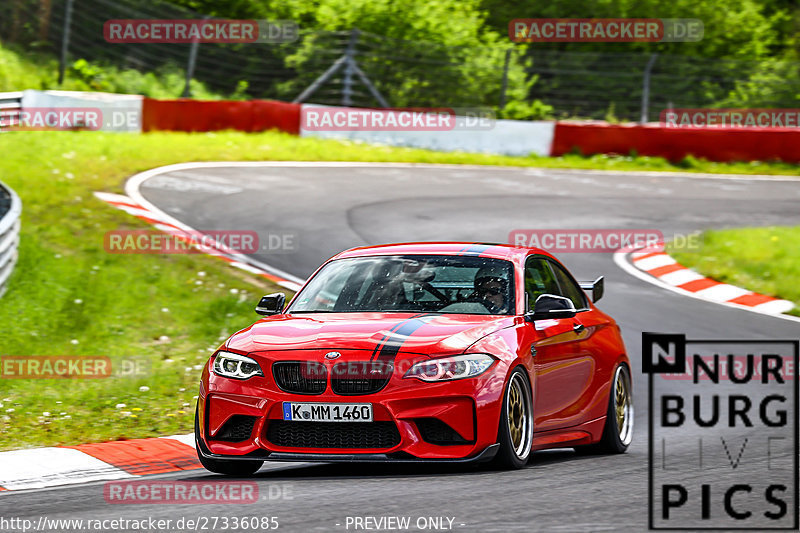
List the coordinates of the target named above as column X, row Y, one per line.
column 363, row 377
column 434, row 431
column 238, row 428
column 305, row 377
column 373, row 435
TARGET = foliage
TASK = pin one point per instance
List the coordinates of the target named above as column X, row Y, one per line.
column 19, row 71
column 442, row 53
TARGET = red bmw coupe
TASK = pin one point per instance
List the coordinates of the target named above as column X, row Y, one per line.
column 421, row 352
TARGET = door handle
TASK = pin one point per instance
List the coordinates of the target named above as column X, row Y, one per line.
column 578, row 328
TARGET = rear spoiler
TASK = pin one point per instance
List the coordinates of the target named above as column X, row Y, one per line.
column 596, row 287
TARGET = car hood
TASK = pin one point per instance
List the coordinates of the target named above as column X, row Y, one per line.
column 407, row 332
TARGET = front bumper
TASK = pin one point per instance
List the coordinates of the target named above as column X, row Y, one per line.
column 487, row 454
column 468, row 408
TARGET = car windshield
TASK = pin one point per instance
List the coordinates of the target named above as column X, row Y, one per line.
column 410, row 283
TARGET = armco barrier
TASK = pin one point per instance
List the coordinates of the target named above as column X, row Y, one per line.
column 10, row 103
column 505, row 137
column 508, row 137
column 10, row 211
column 120, row 112
column 213, row 115
column 714, row 144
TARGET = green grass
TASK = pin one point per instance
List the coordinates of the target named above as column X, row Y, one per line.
column 688, row 164
column 26, row 70
column 169, row 310
column 765, row 260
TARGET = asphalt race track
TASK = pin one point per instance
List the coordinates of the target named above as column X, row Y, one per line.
column 332, row 207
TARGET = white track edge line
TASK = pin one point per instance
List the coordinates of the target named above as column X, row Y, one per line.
column 367, row 164
column 132, row 190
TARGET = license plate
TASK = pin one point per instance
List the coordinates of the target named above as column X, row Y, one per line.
column 327, row 412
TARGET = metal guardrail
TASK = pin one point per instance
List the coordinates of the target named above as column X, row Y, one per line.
column 10, row 106
column 10, row 212
column 12, row 100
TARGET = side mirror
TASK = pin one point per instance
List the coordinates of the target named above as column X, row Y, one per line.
column 550, row 306
column 596, row 287
column 271, row 304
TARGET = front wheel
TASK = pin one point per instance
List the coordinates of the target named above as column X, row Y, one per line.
column 515, row 433
column 618, row 430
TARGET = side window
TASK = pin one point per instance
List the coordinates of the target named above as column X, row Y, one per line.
column 569, row 288
column 538, row 280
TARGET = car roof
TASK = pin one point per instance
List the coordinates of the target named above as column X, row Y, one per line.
column 509, row 252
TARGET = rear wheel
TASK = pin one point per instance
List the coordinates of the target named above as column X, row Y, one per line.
column 222, row 466
column 515, row 433
column 618, row 430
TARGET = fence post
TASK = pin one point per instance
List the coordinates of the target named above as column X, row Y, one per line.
column 646, row 88
column 62, row 62
column 187, row 88
column 504, row 85
column 45, row 6
column 347, row 83
column 13, row 34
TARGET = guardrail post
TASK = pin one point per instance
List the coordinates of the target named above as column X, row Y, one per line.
column 9, row 234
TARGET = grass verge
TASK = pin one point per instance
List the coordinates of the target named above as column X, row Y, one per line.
column 21, row 70
column 765, row 260
column 69, row 297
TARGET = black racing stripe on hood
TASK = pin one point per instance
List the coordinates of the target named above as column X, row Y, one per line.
column 386, row 336
column 387, row 349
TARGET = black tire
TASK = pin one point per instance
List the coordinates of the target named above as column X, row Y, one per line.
column 618, row 430
column 515, row 438
column 222, row 466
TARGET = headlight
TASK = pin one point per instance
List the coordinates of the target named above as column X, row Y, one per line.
column 231, row 365
column 449, row 368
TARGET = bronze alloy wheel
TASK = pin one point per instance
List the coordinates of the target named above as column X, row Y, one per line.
column 623, row 405
column 519, row 416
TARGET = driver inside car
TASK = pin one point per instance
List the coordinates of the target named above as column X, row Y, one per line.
column 491, row 289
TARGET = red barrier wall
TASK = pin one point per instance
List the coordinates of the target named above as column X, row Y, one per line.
column 212, row 115
column 714, row 144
